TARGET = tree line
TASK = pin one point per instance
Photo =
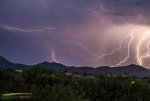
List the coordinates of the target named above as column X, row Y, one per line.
column 47, row 85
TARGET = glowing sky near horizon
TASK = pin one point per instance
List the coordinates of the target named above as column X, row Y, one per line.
column 76, row 32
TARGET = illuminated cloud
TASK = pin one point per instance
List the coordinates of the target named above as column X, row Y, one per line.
column 92, row 28
column 13, row 28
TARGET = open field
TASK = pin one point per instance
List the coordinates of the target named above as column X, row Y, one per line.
column 15, row 96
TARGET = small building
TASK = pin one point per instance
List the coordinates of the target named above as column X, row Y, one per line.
column 19, row 71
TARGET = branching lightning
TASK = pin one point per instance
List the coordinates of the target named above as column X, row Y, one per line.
column 54, row 57
column 148, row 52
column 111, row 53
column 13, row 28
column 79, row 45
column 128, row 52
column 140, row 44
column 140, row 58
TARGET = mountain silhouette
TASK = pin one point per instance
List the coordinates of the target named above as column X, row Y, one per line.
column 132, row 69
column 4, row 63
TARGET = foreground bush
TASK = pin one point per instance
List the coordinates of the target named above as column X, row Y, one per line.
column 46, row 85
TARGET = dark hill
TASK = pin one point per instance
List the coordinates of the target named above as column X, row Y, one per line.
column 130, row 69
column 4, row 63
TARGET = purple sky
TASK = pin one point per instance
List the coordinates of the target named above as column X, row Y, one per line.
column 75, row 32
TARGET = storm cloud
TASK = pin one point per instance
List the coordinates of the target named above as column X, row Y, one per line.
column 30, row 30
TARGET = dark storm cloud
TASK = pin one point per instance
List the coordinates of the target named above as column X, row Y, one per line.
column 67, row 12
column 127, row 11
column 130, row 2
column 118, row 13
column 42, row 12
column 82, row 21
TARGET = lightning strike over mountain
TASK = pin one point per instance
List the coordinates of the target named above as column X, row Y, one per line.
column 139, row 58
column 88, row 32
column 13, row 28
column 128, row 52
column 79, row 45
column 111, row 53
column 54, row 57
column 148, row 48
column 148, row 52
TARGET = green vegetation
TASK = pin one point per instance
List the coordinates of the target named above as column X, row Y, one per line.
column 16, row 96
column 46, row 85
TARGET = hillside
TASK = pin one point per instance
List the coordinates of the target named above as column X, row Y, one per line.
column 132, row 69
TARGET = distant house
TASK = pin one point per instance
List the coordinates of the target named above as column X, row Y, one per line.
column 19, row 71
column 68, row 74
column 71, row 74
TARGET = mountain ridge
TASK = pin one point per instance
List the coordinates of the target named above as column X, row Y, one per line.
column 129, row 69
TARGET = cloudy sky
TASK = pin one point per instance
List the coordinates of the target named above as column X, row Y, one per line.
column 76, row 32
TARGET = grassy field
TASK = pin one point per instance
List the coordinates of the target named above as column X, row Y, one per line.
column 16, row 96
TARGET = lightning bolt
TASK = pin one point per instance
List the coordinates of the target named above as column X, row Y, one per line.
column 13, row 28
column 148, row 51
column 79, row 45
column 128, row 52
column 148, row 47
column 139, row 58
column 54, row 57
column 111, row 53
column 98, row 57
